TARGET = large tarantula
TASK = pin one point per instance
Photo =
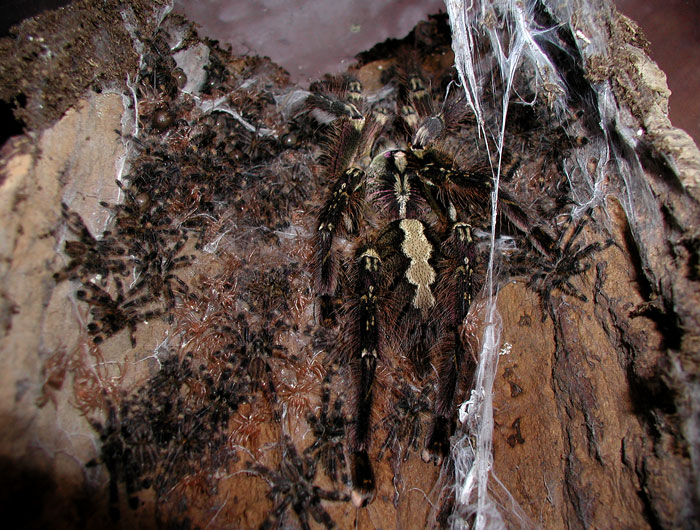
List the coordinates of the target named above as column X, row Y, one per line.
column 411, row 208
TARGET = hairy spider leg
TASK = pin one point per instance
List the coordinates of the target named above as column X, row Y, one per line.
column 329, row 429
column 456, row 291
column 402, row 253
column 350, row 143
column 338, row 215
column 364, row 365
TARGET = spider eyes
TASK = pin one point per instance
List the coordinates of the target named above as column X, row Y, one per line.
column 289, row 140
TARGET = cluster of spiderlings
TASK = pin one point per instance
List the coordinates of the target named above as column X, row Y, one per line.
column 169, row 428
column 199, row 238
column 209, row 172
column 188, row 417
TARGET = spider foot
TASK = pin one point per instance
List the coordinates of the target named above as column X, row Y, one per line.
column 437, row 445
column 362, row 479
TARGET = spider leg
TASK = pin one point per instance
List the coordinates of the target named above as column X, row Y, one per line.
column 320, row 515
column 326, row 108
column 325, row 399
column 273, row 518
column 404, row 249
column 132, row 333
column 76, row 224
column 134, row 319
column 329, row 464
column 137, row 302
column 303, row 516
column 339, row 215
column 352, row 141
column 363, row 366
column 315, row 425
column 389, row 440
column 341, row 462
column 457, row 288
column 330, row 495
column 413, row 437
column 437, row 443
column 177, row 247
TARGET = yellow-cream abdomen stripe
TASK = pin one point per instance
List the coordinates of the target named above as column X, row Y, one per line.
column 418, row 249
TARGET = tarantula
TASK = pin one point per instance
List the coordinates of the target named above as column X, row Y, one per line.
column 117, row 457
column 89, row 255
column 328, row 429
column 111, row 315
column 155, row 271
column 256, row 349
column 291, row 485
column 411, row 208
column 568, row 262
column 404, row 421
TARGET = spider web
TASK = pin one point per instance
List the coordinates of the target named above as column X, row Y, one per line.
column 493, row 40
column 511, row 41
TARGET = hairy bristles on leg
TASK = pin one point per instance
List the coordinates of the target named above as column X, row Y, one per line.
column 339, row 215
column 341, row 147
column 455, row 292
column 414, row 90
column 362, row 349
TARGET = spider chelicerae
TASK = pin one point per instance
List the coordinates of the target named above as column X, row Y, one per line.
column 411, row 196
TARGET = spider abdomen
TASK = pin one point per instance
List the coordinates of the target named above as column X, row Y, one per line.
column 420, row 272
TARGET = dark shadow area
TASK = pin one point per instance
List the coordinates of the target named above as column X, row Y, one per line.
column 33, row 498
column 11, row 126
column 14, row 11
